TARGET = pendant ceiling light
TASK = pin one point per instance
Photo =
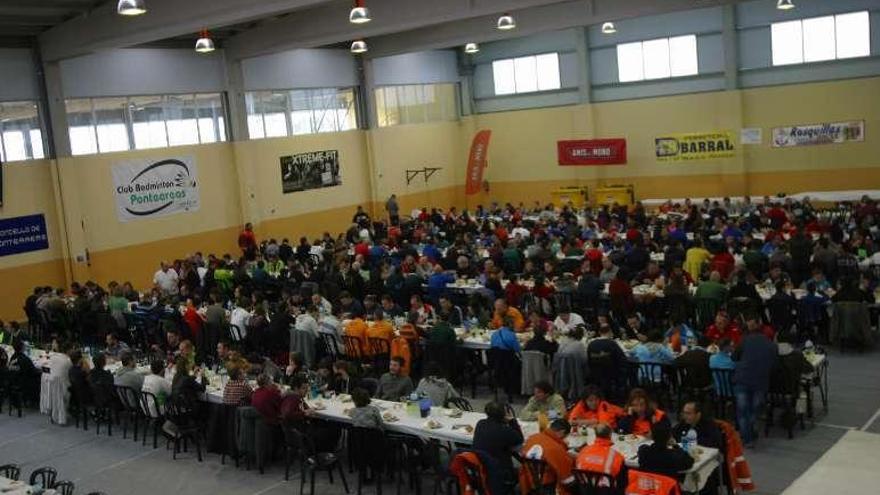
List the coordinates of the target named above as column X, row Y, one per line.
column 784, row 4
column 608, row 28
column 359, row 13
column 131, row 7
column 359, row 46
column 205, row 44
column 471, row 48
column 506, row 22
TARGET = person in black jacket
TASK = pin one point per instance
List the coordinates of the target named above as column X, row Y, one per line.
column 664, row 456
column 498, row 436
column 539, row 343
column 692, row 417
column 184, row 386
column 101, row 382
column 79, row 382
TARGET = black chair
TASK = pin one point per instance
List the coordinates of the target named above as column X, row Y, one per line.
column 43, row 477
column 14, row 391
column 783, row 394
column 590, row 483
column 331, row 346
column 64, row 487
column 367, row 448
column 506, row 370
column 313, row 460
column 130, row 400
column 780, row 314
column 381, row 353
column 235, row 334
column 154, row 417
column 96, row 493
column 183, row 416
column 459, row 403
column 536, row 469
column 660, row 380
column 354, row 349
column 725, row 399
column 705, row 309
column 10, row 471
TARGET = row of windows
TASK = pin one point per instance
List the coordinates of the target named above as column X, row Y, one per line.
column 300, row 111
column 526, row 74
column 21, row 137
column 415, row 104
column 103, row 125
column 657, row 59
column 821, row 38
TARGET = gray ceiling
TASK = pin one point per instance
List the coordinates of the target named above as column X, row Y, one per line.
column 246, row 28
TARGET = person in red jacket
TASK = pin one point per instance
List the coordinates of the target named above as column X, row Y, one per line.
column 247, row 241
column 723, row 328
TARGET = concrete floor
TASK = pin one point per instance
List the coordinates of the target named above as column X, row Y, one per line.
column 118, row 466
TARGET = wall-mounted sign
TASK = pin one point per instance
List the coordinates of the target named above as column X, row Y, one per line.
column 751, row 135
column 810, row 134
column 23, row 234
column 695, row 146
column 477, row 162
column 312, row 170
column 155, row 188
column 592, row 152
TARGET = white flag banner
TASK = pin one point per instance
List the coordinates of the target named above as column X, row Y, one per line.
column 812, row 134
column 155, row 188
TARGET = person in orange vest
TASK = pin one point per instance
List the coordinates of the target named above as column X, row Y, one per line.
column 502, row 309
column 592, row 410
column 380, row 328
column 600, row 457
column 642, row 483
column 549, row 446
column 357, row 328
column 641, row 414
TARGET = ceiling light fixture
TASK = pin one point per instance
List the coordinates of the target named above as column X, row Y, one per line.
column 131, row 7
column 359, row 46
column 506, row 22
column 205, row 44
column 608, row 28
column 359, row 13
column 784, row 4
column 471, row 48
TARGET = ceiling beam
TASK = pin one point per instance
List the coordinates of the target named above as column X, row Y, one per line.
column 328, row 24
column 553, row 17
column 103, row 28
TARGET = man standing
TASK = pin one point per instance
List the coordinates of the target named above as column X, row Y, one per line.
column 393, row 210
column 247, row 241
column 755, row 358
column 166, row 279
column 393, row 385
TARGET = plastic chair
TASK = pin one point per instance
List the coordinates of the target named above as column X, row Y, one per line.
column 536, row 469
column 459, row 403
column 64, row 487
column 331, row 346
column 380, row 349
column 313, row 460
column 590, row 483
column 130, row 400
column 10, row 471
column 153, row 416
column 183, row 417
column 354, row 348
column 723, row 392
column 367, row 448
column 43, row 477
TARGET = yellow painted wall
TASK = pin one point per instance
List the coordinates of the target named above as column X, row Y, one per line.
column 28, row 191
column 241, row 181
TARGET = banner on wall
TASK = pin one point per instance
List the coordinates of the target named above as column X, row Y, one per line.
column 155, row 188
column 477, row 162
column 811, row 134
column 695, row 146
column 312, row 170
column 23, row 234
column 592, row 152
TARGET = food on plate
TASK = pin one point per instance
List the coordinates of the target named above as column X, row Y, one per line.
column 453, row 412
column 344, row 398
column 433, row 424
column 466, row 428
column 390, row 417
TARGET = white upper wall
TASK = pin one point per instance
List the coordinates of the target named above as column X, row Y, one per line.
column 19, row 77
column 431, row 67
column 143, row 71
column 304, row 68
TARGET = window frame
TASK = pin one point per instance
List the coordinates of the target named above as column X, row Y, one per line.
column 25, row 126
column 834, row 41
column 667, row 41
column 515, row 62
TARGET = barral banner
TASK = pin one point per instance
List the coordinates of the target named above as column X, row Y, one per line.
column 155, row 188
column 592, row 152
column 695, row 146
column 312, row 170
column 812, row 134
column 477, row 162
column 23, row 234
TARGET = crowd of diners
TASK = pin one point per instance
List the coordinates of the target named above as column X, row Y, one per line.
column 691, row 284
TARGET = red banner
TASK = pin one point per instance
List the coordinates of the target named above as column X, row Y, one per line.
column 592, row 152
column 477, row 162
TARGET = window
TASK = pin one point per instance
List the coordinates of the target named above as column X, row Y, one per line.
column 21, row 137
column 657, row 59
column 526, row 74
column 103, row 125
column 416, row 104
column 300, row 111
column 821, row 38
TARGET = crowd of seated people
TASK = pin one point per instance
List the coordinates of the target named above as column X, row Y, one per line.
column 678, row 283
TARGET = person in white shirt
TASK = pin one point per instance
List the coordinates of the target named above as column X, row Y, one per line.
column 308, row 322
column 323, row 305
column 521, row 231
column 240, row 317
column 156, row 384
column 166, row 279
column 566, row 321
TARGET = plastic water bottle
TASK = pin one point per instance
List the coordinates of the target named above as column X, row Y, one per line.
column 689, row 440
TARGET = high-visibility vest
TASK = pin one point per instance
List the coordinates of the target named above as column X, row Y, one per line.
column 642, row 483
column 400, row 348
column 600, row 458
